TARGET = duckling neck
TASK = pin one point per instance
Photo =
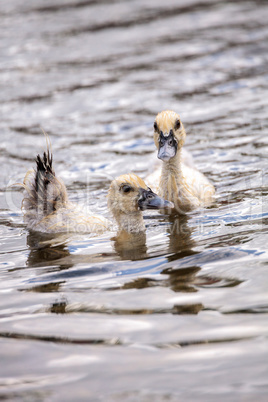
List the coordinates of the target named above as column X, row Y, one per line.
column 171, row 178
column 130, row 223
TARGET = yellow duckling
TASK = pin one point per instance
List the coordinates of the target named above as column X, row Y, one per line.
column 47, row 209
column 182, row 184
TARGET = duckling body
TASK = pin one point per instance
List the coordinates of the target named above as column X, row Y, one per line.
column 47, row 209
column 179, row 182
column 46, row 206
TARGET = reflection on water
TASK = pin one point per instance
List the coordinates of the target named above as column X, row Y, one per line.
column 130, row 246
column 186, row 302
column 181, row 241
column 44, row 247
column 181, row 280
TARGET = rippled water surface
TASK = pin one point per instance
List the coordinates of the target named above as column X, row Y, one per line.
column 181, row 315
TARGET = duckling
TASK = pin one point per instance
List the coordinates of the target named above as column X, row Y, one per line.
column 179, row 182
column 46, row 207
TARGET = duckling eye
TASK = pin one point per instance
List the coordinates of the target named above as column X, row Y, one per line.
column 126, row 189
column 161, row 141
column 177, row 124
column 155, row 126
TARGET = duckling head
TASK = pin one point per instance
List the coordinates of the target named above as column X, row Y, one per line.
column 169, row 134
column 129, row 195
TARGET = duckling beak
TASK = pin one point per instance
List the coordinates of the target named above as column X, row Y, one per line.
column 167, row 147
column 150, row 200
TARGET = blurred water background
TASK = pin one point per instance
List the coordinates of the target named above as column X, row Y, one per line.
column 182, row 316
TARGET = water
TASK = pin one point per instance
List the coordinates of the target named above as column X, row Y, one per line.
column 181, row 315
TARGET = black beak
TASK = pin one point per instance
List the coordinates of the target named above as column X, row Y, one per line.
column 150, row 200
column 167, row 146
